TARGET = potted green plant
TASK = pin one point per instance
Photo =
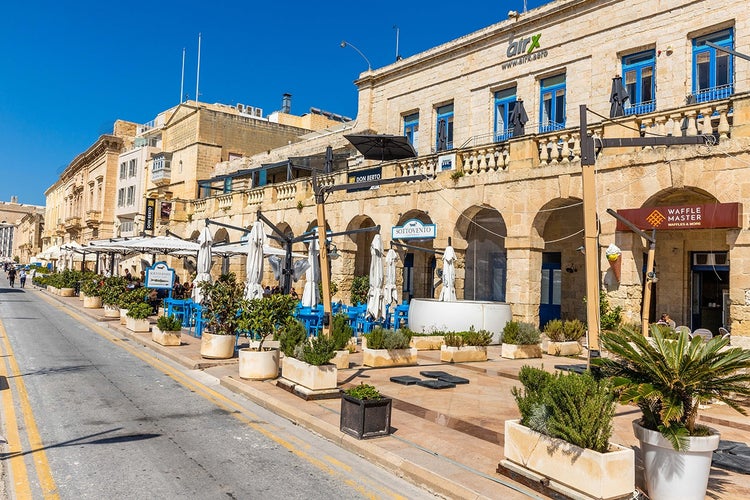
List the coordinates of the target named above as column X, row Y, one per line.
column 563, row 337
column 365, row 412
column 521, row 340
column 137, row 318
column 360, row 288
column 309, row 366
column 112, row 290
column 128, row 299
column 383, row 347
column 224, row 310
column 67, row 282
column 263, row 317
column 167, row 331
column 467, row 346
column 431, row 341
column 563, row 434
column 92, row 290
column 669, row 380
column 343, row 338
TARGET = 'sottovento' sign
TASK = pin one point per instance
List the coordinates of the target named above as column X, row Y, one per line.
column 414, row 229
column 708, row 216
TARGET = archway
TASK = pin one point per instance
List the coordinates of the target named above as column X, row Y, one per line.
column 485, row 260
column 418, row 275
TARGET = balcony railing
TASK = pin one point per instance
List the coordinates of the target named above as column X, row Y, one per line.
column 93, row 217
column 161, row 176
column 713, row 93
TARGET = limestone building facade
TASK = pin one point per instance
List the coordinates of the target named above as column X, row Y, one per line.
column 19, row 226
column 505, row 187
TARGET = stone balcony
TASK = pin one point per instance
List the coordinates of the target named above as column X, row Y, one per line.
column 72, row 223
column 93, row 218
column 162, row 176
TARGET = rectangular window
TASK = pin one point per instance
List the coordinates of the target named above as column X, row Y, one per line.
column 123, row 170
column 444, row 130
column 505, row 101
column 228, row 185
column 411, row 129
column 713, row 69
column 131, row 195
column 638, row 71
column 552, row 108
column 131, row 168
column 121, row 197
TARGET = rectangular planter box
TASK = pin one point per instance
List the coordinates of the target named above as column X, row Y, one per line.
column 463, row 354
column 137, row 325
column 315, row 378
column 165, row 338
column 377, row 358
column 599, row 475
column 427, row 343
column 365, row 418
column 513, row 351
column 569, row 348
column 341, row 360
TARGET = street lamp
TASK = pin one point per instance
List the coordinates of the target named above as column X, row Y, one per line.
column 344, row 43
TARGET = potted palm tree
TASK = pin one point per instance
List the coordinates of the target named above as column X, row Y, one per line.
column 669, row 380
column 563, row 434
column 263, row 317
column 167, row 331
column 462, row 347
column 225, row 311
column 137, row 318
column 365, row 412
column 521, row 341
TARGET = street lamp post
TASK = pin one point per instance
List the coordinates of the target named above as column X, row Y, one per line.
column 344, row 43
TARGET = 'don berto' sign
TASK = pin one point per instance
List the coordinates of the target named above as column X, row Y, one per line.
column 159, row 276
column 414, row 229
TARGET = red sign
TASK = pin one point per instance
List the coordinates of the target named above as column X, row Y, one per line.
column 710, row 216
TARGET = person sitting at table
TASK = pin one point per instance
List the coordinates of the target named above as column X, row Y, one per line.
column 178, row 291
column 154, row 300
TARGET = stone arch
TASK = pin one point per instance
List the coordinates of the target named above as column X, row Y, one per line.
column 358, row 244
column 483, row 230
column 418, row 276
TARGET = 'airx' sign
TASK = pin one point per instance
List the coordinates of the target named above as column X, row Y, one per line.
column 414, row 229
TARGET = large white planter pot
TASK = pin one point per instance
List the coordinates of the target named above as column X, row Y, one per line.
column 341, row 360
column 217, row 346
column 377, row 358
column 315, row 378
column 569, row 348
column 165, row 338
column 259, row 365
column 427, row 342
column 92, row 302
column 429, row 315
column 513, row 351
column 111, row 312
column 599, row 475
column 67, row 292
column 123, row 316
column 463, row 354
column 137, row 325
column 678, row 475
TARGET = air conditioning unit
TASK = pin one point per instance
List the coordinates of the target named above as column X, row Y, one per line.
column 710, row 259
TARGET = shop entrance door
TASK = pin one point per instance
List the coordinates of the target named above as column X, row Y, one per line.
column 709, row 285
column 551, row 289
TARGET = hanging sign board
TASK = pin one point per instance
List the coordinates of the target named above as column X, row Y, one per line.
column 150, row 211
column 708, row 216
column 371, row 174
column 160, row 276
column 414, row 229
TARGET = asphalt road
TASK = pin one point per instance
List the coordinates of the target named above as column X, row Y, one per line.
column 99, row 417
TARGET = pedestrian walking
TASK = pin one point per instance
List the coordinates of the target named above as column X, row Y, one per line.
column 22, row 277
column 12, row 276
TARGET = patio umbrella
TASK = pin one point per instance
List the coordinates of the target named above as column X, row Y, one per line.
column 159, row 244
column 442, row 136
column 382, row 147
column 203, row 265
column 448, row 293
column 390, row 293
column 518, row 119
column 310, row 297
column 617, row 97
column 375, row 293
column 254, row 262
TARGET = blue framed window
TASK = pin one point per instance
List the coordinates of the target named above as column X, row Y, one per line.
column 713, row 71
column 552, row 105
column 444, row 128
column 638, row 71
column 505, row 101
column 411, row 129
column 227, row 185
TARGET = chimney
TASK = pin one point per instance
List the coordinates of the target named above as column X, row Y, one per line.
column 14, row 199
column 286, row 103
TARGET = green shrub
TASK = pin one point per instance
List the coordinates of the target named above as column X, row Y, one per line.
column 520, row 333
column 576, row 408
column 364, row 392
column 666, row 331
column 554, row 330
column 112, row 289
column 318, row 351
column 360, row 287
column 573, row 330
column 453, row 339
column 610, row 318
column 341, row 331
column 132, row 297
column 381, row 338
column 474, row 338
column 263, row 316
column 169, row 323
column 92, row 287
column 290, row 335
column 141, row 310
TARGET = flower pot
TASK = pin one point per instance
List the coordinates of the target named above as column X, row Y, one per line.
column 674, row 474
column 598, row 475
column 365, row 418
column 111, row 312
column 123, row 316
column 165, row 337
column 217, row 346
column 259, row 365
column 137, row 325
column 463, row 354
column 315, row 378
column 569, row 348
column 92, row 302
column 427, row 342
column 341, row 359
column 377, row 358
column 513, row 351
column 67, row 292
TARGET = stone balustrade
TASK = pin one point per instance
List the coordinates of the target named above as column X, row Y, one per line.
column 255, row 196
column 286, row 190
column 224, row 201
column 200, row 205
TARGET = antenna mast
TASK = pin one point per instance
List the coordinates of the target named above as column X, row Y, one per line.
column 182, row 78
column 198, row 71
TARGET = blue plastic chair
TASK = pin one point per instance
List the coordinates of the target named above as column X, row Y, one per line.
column 197, row 321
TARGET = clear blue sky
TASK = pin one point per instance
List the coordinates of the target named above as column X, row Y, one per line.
column 70, row 69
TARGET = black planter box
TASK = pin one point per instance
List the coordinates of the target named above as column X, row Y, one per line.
column 365, row 418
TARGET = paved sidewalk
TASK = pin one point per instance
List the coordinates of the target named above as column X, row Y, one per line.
column 450, row 441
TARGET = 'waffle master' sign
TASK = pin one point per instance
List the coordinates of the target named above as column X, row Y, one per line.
column 709, row 216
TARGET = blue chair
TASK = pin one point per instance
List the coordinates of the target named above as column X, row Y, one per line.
column 400, row 316
column 197, row 321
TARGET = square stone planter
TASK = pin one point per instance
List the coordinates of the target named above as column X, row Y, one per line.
column 165, row 338
column 427, row 342
column 513, row 351
column 365, row 418
column 377, row 358
column 569, row 348
column 569, row 467
column 341, row 359
column 315, row 378
column 463, row 354
column 137, row 325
